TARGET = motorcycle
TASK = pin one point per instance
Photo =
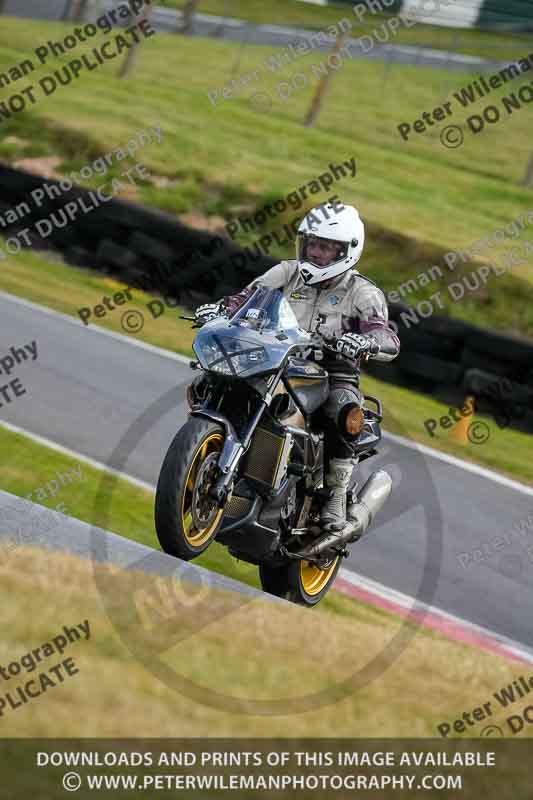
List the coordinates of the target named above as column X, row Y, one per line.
column 246, row 469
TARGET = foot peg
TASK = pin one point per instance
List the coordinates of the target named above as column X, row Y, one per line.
column 361, row 514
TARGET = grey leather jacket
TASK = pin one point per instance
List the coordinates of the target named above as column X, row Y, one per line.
column 349, row 303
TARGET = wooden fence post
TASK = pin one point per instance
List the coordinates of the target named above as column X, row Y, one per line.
column 528, row 177
column 127, row 65
column 188, row 12
column 323, row 84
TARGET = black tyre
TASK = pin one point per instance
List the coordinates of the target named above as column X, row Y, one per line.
column 299, row 582
column 186, row 518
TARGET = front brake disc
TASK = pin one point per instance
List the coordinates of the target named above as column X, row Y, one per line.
column 203, row 507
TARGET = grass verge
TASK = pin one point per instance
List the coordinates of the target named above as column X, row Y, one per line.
column 253, row 650
column 420, row 189
column 67, row 289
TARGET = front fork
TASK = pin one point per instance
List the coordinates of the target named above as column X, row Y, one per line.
column 233, row 447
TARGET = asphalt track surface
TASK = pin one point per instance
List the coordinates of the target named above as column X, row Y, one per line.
column 236, row 30
column 86, row 390
column 68, row 535
column 280, row 36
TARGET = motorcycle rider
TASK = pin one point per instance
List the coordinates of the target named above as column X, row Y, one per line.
column 324, row 289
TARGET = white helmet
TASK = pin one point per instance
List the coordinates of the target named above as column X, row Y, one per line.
column 344, row 232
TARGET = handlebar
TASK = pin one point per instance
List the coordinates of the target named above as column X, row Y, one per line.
column 190, row 319
column 330, row 343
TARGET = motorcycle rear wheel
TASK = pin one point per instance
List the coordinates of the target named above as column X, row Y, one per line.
column 186, row 519
column 300, row 582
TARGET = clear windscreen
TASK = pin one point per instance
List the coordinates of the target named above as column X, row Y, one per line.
column 255, row 339
column 266, row 310
column 229, row 355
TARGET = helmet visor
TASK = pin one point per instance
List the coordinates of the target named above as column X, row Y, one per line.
column 320, row 252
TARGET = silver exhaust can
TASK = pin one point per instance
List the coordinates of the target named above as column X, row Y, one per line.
column 370, row 499
column 360, row 514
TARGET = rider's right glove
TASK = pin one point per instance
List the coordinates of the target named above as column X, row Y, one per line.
column 207, row 312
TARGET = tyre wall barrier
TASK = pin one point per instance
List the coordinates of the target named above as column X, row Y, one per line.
column 452, row 359
column 148, row 249
column 152, row 251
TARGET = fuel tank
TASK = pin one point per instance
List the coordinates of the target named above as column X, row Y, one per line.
column 309, row 382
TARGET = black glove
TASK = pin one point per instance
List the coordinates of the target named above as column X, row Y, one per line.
column 355, row 345
column 207, row 312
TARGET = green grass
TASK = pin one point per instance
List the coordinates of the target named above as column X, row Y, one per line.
column 242, row 650
column 255, row 650
column 222, row 156
column 29, row 467
column 419, row 199
column 67, row 288
column 484, row 44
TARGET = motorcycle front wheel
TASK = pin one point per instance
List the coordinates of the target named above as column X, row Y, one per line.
column 300, row 582
column 186, row 518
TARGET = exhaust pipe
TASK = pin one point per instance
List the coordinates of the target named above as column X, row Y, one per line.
column 370, row 499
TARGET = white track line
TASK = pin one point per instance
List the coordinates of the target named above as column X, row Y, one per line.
column 380, row 594
column 121, row 337
column 91, row 462
column 395, row 598
column 439, row 55
column 407, row 602
column 457, row 462
column 421, row 448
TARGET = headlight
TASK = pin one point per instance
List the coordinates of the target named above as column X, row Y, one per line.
column 222, row 367
column 229, row 356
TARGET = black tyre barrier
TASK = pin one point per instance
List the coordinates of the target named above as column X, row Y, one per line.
column 110, row 254
column 455, row 329
column 501, row 390
column 434, row 369
column 427, row 343
column 501, row 347
column 504, row 399
column 473, row 359
column 122, row 238
column 153, row 251
column 389, row 373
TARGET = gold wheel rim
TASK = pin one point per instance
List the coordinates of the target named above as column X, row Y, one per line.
column 194, row 536
column 315, row 579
